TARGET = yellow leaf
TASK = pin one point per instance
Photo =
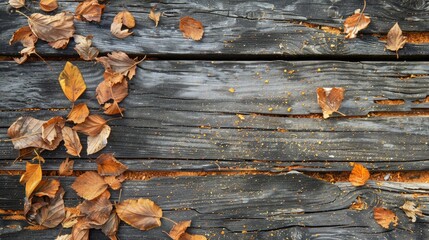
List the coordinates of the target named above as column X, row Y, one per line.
column 72, row 82
column 31, row 178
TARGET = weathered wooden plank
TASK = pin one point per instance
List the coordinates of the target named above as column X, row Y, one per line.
column 254, row 207
column 235, row 28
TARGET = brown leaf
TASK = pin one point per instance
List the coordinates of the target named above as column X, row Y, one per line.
column 187, row 236
column 71, row 217
column 89, row 185
column 385, row 217
column 27, row 132
column 64, row 237
column 28, row 152
column 52, row 214
column 359, row 175
column 89, row 10
column 31, row 178
column 60, row 44
column 122, row 18
column 113, row 108
column 114, row 182
column 359, row 204
column 71, row 82
column 395, row 39
column 154, row 16
column 191, row 28
column 411, row 210
column 84, row 49
column 330, row 99
column 80, row 230
column 119, row 62
column 48, row 5
column 51, row 130
column 48, row 187
column 78, row 113
column 110, row 228
column 92, row 125
column 97, row 211
column 66, row 168
column 113, row 77
column 27, row 39
column 98, row 142
column 179, row 229
column 71, row 141
column 355, row 23
column 17, row 3
column 105, row 91
column 108, row 165
column 140, row 213
column 52, row 28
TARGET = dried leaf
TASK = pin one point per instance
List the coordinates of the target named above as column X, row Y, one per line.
column 330, row 99
column 27, row 39
column 78, row 113
column 108, row 165
column 60, row 44
column 113, row 77
column 89, row 10
column 47, row 188
column 51, row 130
column 359, row 204
column 140, row 213
column 64, row 237
column 72, row 82
column 119, row 62
column 105, row 91
column 71, row 141
column 48, row 5
column 53, row 213
column 187, row 236
column 83, row 47
column 89, row 185
column 355, row 23
column 31, row 178
column 92, row 126
column 122, row 18
column 80, row 230
column 66, row 168
column 98, row 142
column 17, row 3
column 110, row 228
column 395, row 39
column 179, row 229
column 154, row 16
column 71, row 217
column 113, row 108
column 27, row 132
column 385, row 217
column 52, row 28
column 191, row 28
column 411, row 210
column 97, row 211
column 114, row 182
column 359, row 175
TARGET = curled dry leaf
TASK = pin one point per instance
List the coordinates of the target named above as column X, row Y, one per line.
column 140, row 213
column 27, row 132
column 27, row 39
column 83, row 47
column 98, row 142
column 52, row 28
column 119, row 62
column 359, row 175
column 355, row 23
column 330, row 99
column 48, row 5
column 78, row 113
column 113, row 108
column 395, row 39
column 47, row 212
column 384, row 217
column 154, row 16
column 48, row 187
column 17, row 3
column 71, row 82
column 105, row 91
column 89, row 10
column 359, row 204
column 108, row 165
column 51, row 130
column 114, row 182
column 71, row 217
column 122, row 18
column 187, row 236
column 31, row 178
column 113, row 77
column 110, row 228
column 71, row 141
column 80, row 230
column 92, row 126
column 60, row 44
column 89, row 185
column 411, row 210
column 97, row 211
column 191, row 28
column 66, row 168
column 64, row 237
column 179, row 229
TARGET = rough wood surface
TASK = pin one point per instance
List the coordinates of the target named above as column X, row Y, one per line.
column 291, row 206
column 235, row 28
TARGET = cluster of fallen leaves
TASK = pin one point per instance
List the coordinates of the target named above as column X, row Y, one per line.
column 383, row 216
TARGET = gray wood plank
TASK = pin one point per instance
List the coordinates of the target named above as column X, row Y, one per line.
column 254, row 207
column 234, row 28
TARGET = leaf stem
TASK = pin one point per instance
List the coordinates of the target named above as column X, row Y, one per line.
column 360, row 15
column 168, row 219
column 23, row 14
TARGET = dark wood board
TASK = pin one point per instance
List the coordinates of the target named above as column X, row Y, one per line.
column 237, row 29
column 252, row 207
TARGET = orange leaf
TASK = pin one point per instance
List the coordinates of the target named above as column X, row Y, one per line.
column 355, row 23
column 98, row 142
column 48, row 5
column 110, row 228
column 52, row 128
column 330, row 99
column 31, row 178
column 52, row 28
column 114, row 182
column 47, row 188
column 78, row 113
column 72, row 82
column 59, row 44
column 89, row 185
column 49, row 215
column 27, row 39
column 66, row 167
column 89, row 10
column 72, row 215
column 108, row 165
column 80, row 230
column 179, row 229
column 395, row 39
column 385, row 217
column 71, row 141
column 191, row 28
column 187, row 236
column 359, row 204
column 154, row 16
column 83, row 47
column 92, row 125
column 105, row 91
column 97, row 211
column 122, row 18
column 140, row 213
column 113, row 108
column 113, row 77
column 359, row 175
column 119, row 62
